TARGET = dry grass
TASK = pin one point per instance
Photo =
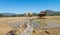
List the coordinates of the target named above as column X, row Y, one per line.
column 4, row 27
column 44, row 22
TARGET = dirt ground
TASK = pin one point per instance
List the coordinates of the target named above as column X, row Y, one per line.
column 5, row 28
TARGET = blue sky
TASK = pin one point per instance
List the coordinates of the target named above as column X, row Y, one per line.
column 22, row 6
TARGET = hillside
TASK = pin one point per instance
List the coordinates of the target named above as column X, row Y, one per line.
column 49, row 13
column 52, row 13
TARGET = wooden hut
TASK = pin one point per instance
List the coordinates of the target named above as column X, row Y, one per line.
column 31, row 14
column 42, row 14
column 26, row 14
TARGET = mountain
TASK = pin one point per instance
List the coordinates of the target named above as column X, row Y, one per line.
column 52, row 13
column 7, row 14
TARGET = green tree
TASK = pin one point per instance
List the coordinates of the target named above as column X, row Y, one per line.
column 1, row 15
column 13, row 15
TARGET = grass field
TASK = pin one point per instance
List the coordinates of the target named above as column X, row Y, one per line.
column 5, row 23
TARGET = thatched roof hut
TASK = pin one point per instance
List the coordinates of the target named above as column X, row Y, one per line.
column 29, row 14
column 41, row 14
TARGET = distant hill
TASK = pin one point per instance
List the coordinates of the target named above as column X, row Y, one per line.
column 52, row 13
column 49, row 13
column 7, row 14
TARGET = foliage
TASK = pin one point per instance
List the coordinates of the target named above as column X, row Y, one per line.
column 1, row 15
column 49, row 13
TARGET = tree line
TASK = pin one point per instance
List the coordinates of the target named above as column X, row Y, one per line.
column 18, row 15
column 49, row 13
